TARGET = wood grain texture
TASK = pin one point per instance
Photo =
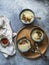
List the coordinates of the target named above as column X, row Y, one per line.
column 25, row 32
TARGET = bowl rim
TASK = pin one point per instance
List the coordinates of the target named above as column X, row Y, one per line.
column 5, row 45
column 38, row 29
column 26, row 10
column 21, row 39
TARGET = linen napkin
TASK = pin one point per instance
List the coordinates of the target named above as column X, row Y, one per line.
column 9, row 50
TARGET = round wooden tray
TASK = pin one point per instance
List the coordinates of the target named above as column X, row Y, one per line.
column 25, row 32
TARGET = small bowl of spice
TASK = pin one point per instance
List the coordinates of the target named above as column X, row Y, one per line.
column 27, row 16
column 4, row 42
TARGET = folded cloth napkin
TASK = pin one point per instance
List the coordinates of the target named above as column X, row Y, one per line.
column 7, row 31
column 6, row 55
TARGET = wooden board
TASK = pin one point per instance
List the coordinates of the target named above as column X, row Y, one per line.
column 25, row 32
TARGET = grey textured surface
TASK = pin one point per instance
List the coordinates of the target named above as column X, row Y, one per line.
column 11, row 9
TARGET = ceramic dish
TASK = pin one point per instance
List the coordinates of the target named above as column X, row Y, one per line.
column 37, row 35
column 27, row 16
column 23, row 45
column 4, row 42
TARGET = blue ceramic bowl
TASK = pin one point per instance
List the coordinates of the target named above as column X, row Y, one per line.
column 42, row 35
column 24, row 22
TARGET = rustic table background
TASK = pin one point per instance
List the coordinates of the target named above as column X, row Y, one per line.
column 11, row 9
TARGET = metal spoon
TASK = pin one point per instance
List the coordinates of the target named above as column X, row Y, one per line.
column 38, row 51
column 37, row 17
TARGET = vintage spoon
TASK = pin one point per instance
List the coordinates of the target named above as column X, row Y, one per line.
column 38, row 51
column 37, row 17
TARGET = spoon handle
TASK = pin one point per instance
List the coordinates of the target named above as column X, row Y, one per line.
column 38, row 17
column 44, row 57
